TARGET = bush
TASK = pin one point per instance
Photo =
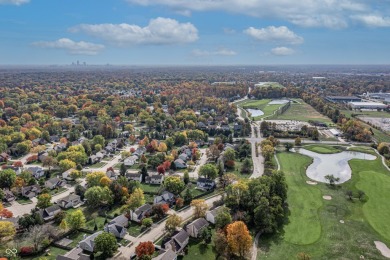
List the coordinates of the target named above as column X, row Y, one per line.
column 147, row 222
column 26, row 250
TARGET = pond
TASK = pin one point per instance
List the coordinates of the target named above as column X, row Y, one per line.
column 278, row 102
column 255, row 112
column 328, row 164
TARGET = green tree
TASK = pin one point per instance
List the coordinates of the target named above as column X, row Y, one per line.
column 98, row 139
column 136, row 199
column 186, row 177
column 147, row 222
column 122, row 169
column 66, row 164
column 75, row 219
column 331, row 179
column 229, row 154
column 246, row 165
column 7, row 178
column 209, row 171
column 298, row 141
column 200, row 207
column 93, row 178
column 44, row 201
column 106, row 244
column 288, row 146
column 174, row 184
column 223, row 217
column 205, row 235
column 98, row 196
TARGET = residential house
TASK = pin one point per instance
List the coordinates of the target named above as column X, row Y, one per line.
column 201, row 126
column 178, row 242
column 125, row 134
column 50, row 212
column 8, row 195
column 66, row 175
column 87, row 243
column 54, row 138
column 180, row 164
column 193, row 229
column 17, row 170
column 42, row 156
column 74, row 254
column 36, row 171
column 54, row 183
column 165, row 198
column 31, row 191
column 112, row 174
column 211, row 214
column 118, row 226
column 183, row 157
column 4, row 157
column 237, row 127
column 70, row 201
column 38, row 141
column 140, row 151
column 138, row 214
column 166, row 254
column 134, row 176
column 92, row 159
column 205, row 184
column 154, row 179
column 60, row 147
column 131, row 160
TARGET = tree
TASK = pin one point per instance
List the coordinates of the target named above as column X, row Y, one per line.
column 98, row 196
column 75, row 174
column 147, row 222
column 209, row 171
column 361, row 194
column 160, row 210
column 229, row 154
column 98, row 139
column 93, row 178
column 123, row 169
column 7, row 229
column 137, row 199
column 332, row 179
column 144, row 249
column 288, row 146
column 187, row 196
column 49, row 162
column 63, row 225
column 298, row 141
column 174, row 221
column 383, row 148
column 213, row 152
column 105, row 243
column 220, row 242
column 105, row 181
column 303, row 256
column 7, row 178
column 239, row 240
column 174, row 184
column 205, row 235
column 267, row 151
column 349, row 194
column 44, row 201
column 246, row 165
column 36, row 235
column 179, row 202
column 161, row 169
column 66, row 164
column 223, row 218
column 200, row 208
column 75, row 219
column 5, row 213
column 144, row 173
column 236, row 192
column 186, row 177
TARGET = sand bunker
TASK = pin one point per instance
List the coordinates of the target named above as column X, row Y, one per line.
column 326, row 197
column 311, row 182
column 342, row 221
column 385, row 251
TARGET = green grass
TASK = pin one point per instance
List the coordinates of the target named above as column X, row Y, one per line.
column 150, row 188
column 134, row 229
column 302, row 112
column 23, row 200
column 237, row 171
column 314, row 224
column 323, row 149
column 58, row 191
column 99, row 221
column 76, row 237
column 51, row 255
column 348, row 113
column 97, row 165
column 198, row 250
column 362, row 149
column 261, row 104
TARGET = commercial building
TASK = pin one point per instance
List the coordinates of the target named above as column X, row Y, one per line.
column 367, row 105
column 343, row 99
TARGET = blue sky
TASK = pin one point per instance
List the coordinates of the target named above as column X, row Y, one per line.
column 199, row 32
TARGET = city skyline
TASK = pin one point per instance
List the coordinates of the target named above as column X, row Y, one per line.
column 201, row 32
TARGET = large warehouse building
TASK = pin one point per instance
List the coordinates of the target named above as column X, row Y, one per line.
column 343, row 99
column 367, row 105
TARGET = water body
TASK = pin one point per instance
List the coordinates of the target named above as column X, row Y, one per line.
column 255, row 112
column 278, row 102
column 328, row 164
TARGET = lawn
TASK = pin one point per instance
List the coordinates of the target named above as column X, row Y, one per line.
column 76, row 237
column 261, row 104
column 321, row 148
column 348, row 113
column 23, row 200
column 150, row 188
column 97, row 165
column 99, row 221
column 302, row 112
column 314, row 224
column 236, row 170
column 58, row 191
column 134, row 229
column 51, row 255
column 198, row 250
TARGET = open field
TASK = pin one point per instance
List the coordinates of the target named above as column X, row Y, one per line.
column 261, row 104
column 302, row 112
column 324, row 149
column 198, row 250
column 348, row 113
column 314, row 225
column 269, row 84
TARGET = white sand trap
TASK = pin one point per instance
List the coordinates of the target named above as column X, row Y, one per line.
column 326, row 197
column 311, row 182
column 342, row 221
column 385, row 251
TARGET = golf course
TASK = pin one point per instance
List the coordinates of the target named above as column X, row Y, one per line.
column 338, row 227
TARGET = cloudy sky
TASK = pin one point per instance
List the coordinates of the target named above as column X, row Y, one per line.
column 209, row 32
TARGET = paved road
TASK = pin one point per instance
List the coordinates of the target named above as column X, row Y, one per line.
column 157, row 231
column 258, row 162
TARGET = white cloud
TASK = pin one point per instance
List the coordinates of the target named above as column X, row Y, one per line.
column 85, row 48
column 219, row 52
column 274, row 34
column 373, row 20
column 158, row 31
column 282, row 51
column 310, row 13
column 13, row 2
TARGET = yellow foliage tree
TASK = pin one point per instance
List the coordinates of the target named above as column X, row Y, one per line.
column 238, row 238
column 105, row 181
column 200, row 208
column 7, row 229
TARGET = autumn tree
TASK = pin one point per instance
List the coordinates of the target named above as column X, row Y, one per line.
column 93, row 178
column 298, row 141
column 5, row 213
column 209, row 171
column 200, row 207
column 174, row 184
column 44, row 201
column 174, row 221
column 144, row 249
column 137, row 199
column 239, row 240
column 7, row 229
column 66, row 164
column 75, row 219
column 383, row 148
column 49, row 162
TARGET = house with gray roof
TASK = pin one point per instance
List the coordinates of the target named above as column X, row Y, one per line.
column 118, row 226
column 154, row 179
column 178, row 242
column 193, row 229
column 138, row 214
column 180, row 164
column 70, row 201
column 134, row 176
column 74, row 254
column 50, row 212
column 165, row 198
column 87, row 243
column 166, row 254
column 54, row 183
column 36, row 171
column 31, row 191
column 8, row 195
column 211, row 214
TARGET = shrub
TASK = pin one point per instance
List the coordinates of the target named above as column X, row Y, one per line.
column 26, row 250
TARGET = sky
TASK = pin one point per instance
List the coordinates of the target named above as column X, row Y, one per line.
column 194, row 32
